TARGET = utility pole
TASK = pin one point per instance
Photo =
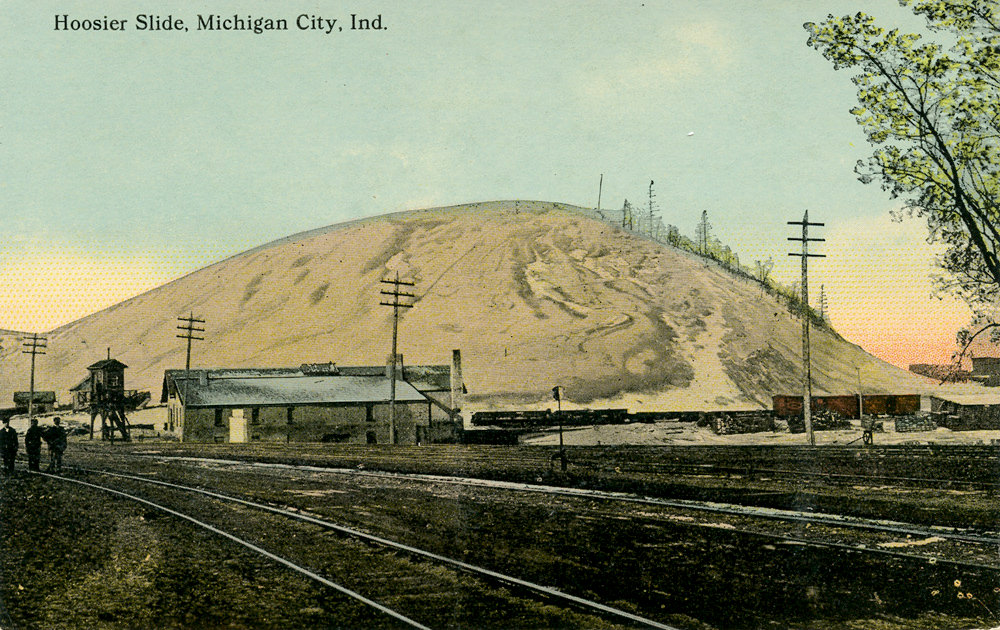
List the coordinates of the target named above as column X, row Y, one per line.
column 34, row 345
column 651, row 197
column 807, row 365
column 396, row 305
column 557, row 392
column 861, row 397
column 189, row 327
column 600, row 187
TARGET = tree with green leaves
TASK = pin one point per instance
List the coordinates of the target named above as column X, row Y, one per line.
column 703, row 232
column 764, row 268
column 930, row 105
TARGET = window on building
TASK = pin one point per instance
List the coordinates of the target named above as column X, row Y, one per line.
column 218, row 418
column 369, row 414
column 290, row 410
column 255, row 416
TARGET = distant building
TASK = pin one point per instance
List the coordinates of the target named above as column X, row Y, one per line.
column 45, row 402
column 941, row 372
column 80, row 394
column 966, row 412
column 315, row 403
column 986, row 370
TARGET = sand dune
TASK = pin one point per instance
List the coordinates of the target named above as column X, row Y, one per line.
column 534, row 294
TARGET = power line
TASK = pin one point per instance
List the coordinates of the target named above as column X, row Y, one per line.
column 189, row 327
column 35, row 345
column 396, row 304
column 806, row 364
column 652, row 208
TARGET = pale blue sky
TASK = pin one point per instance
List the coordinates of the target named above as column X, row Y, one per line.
column 157, row 153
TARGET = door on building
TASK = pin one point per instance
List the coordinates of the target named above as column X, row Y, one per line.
column 238, row 427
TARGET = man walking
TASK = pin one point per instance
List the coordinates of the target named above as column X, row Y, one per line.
column 8, row 446
column 56, row 438
column 33, row 444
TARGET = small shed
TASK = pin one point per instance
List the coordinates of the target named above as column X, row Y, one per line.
column 44, row 402
column 967, row 412
column 80, row 394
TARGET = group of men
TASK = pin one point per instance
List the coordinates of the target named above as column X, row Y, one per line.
column 54, row 436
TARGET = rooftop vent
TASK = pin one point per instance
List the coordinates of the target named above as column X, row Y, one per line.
column 319, row 369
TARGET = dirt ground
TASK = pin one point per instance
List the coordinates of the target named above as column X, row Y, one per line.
column 82, row 560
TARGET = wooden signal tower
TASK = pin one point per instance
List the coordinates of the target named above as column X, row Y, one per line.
column 107, row 398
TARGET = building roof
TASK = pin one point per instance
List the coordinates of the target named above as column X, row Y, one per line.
column 107, row 363
column 976, row 399
column 82, row 386
column 277, row 387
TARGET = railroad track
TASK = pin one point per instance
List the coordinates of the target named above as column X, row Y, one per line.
column 751, row 471
column 990, row 540
column 669, row 555
column 976, row 467
column 413, row 572
column 930, row 466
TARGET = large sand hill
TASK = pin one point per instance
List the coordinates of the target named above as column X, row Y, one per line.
column 533, row 293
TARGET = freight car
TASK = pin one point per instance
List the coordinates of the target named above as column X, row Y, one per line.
column 848, row 406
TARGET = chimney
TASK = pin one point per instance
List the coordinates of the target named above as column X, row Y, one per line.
column 457, row 386
column 399, row 366
column 203, row 378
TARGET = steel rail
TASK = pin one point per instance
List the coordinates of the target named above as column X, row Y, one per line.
column 712, row 468
column 465, row 566
column 517, row 582
column 586, row 459
column 267, row 554
column 820, row 518
column 691, row 469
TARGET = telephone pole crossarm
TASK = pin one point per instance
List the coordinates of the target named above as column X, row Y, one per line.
column 396, row 294
column 188, row 327
column 806, row 363
column 34, row 345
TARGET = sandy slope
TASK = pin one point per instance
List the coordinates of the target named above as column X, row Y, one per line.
column 533, row 293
